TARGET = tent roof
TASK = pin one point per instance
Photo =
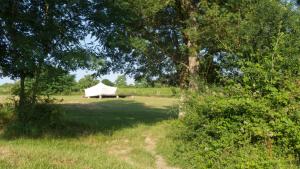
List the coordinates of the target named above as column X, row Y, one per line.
column 100, row 89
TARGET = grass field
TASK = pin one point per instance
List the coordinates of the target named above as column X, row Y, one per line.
column 6, row 89
column 162, row 92
column 104, row 134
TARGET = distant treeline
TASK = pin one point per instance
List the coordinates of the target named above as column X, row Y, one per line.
column 67, row 85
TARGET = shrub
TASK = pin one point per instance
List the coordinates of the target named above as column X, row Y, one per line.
column 239, row 131
column 6, row 113
column 36, row 120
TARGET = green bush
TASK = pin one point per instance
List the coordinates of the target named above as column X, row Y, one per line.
column 6, row 114
column 239, row 131
column 36, row 120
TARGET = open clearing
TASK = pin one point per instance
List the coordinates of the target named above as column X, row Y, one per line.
column 107, row 133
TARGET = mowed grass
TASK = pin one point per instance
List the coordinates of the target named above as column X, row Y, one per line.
column 107, row 133
column 160, row 92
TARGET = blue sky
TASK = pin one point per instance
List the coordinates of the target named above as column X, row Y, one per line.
column 5, row 80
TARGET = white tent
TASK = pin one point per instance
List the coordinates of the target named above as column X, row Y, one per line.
column 100, row 90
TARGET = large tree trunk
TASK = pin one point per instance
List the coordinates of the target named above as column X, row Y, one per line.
column 187, row 12
column 184, row 76
column 188, row 73
column 192, row 63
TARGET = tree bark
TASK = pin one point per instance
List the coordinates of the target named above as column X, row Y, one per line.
column 192, row 63
column 184, row 76
column 193, row 72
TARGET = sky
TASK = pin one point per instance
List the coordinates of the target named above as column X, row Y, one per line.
column 5, row 80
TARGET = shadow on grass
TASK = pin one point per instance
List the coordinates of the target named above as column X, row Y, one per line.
column 104, row 117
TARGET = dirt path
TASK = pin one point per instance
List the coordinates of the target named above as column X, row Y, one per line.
column 123, row 150
column 159, row 160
